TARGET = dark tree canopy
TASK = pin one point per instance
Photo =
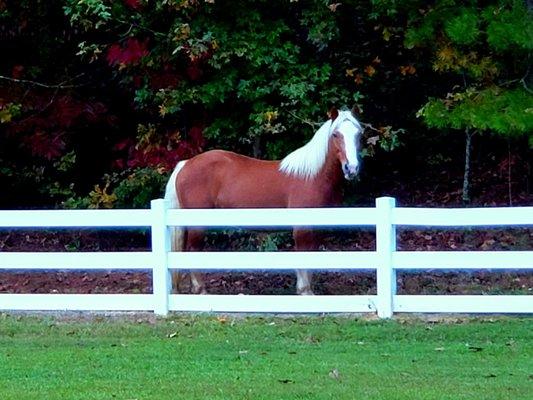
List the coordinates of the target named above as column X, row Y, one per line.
column 100, row 98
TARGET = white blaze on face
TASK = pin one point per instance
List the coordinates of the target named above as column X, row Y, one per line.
column 350, row 132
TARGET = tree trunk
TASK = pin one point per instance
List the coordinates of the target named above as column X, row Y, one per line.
column 466, row 176
column 257, row 147
column 509, row 176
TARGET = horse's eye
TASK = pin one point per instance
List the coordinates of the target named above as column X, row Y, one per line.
column 335, row 134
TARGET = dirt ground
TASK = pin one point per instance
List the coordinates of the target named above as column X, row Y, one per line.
column 324, row 283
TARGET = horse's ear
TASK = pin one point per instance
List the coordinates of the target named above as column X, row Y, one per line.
column 333, row 113
column 356, row 110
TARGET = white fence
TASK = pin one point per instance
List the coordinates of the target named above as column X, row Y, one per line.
column 386, row 260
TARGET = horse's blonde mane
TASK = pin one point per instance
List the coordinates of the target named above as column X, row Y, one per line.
column 307, row 161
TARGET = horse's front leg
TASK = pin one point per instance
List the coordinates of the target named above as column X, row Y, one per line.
column 305, row 240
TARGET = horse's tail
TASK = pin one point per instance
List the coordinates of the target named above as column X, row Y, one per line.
column 177, row 235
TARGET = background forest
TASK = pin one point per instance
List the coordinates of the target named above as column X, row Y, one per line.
column 99, row 99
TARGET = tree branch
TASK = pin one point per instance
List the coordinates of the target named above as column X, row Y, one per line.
column 61, row 85
column 369, row 126
column 524, row 79
column 305, row 121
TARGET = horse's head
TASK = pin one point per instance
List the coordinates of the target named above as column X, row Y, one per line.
column 345, row 132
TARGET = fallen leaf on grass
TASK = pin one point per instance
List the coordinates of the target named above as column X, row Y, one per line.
column 334, row 374
column 312, row 340
column 172, row 335
column 439, row 348
column 285, row 381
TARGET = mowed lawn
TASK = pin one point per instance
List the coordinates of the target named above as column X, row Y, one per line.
column 214, row 357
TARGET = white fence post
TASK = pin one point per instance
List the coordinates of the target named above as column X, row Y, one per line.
column 385, row 245
column 160, row 248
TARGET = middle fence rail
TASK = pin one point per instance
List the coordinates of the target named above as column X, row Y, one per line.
column 385, row 260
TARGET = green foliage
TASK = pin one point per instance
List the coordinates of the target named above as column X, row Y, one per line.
column 506, row 23
column 49, row 180
column 509, row 26
column 463, row 29
column 152, row 82
column 128, row 189
column 486, row 45
column 246, row 240
column 139, row 188
column 506, row 112
column 241, row 58
column 88, row 13
column 321, row 24
column 9, row 111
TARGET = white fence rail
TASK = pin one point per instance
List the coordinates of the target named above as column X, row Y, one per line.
column 386, row 260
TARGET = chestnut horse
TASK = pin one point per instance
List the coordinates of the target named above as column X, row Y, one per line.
column 310, row 176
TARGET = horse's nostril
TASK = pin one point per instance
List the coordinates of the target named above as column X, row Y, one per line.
column 350, row 169
column 346, row 168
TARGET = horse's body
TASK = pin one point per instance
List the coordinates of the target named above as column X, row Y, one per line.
column 309, row 177
column 250, row 183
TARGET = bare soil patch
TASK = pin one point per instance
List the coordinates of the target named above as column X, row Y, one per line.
column 269, row 283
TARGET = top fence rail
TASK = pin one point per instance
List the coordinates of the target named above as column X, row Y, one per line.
column 74, row 218
column 492, row 216
column 269, row 217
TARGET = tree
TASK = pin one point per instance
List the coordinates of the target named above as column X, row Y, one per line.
column 485, row 50
column 254, row 76
column 47, row 112
column 143, row 84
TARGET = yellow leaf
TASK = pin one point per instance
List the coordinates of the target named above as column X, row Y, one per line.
column 5, row 116
column 270, row 116
column 182, row 33
column 446, row 54
column 370, row 70
column 407, row 70
column 386, row 34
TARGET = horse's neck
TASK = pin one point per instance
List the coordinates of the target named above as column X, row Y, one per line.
column 331, row 173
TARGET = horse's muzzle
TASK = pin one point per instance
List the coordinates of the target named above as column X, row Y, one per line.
column 350, row 171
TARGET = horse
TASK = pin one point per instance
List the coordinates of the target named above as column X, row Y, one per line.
column 310, row 176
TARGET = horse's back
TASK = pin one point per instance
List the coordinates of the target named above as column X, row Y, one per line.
column 224, row 179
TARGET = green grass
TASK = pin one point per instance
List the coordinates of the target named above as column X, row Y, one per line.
column 205, row 357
